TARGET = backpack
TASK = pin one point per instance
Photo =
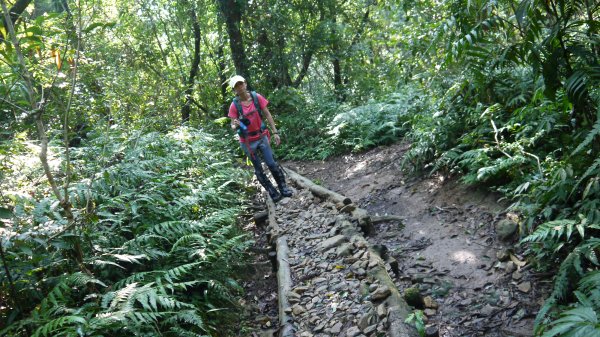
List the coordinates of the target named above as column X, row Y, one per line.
column 238, row 106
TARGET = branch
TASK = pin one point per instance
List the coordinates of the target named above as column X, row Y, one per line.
column 66, row 116
column 496, row 138
column 509, row 156
column 15, row 13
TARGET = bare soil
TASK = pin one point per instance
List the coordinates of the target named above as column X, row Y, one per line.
column 446, row 245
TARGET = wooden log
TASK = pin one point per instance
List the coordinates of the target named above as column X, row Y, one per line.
column 364, row 220
column 398, row 309
column 316, row 189
column 260, row 218
column 361, row 215
column 284, row 273
column 273, row 229
column 284, row 280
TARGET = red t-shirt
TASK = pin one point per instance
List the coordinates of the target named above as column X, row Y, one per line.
column 249, row 111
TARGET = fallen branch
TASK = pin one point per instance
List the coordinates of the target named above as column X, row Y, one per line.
column 284, row 281
column 316, row 189
column 361, row 215
column 284, row 273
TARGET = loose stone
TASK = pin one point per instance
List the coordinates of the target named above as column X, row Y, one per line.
column 353, row 332
column 381, row 293
column 297, row 309
column 381, row 310
column 337, row 328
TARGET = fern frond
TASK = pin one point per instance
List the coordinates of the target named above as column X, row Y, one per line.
column 139, row 277
column 49, row 329
column 129, row 258
column 190, row 317
column 123, row 295
column 581, row 321
column 590, row 282
column 80, row 279
column 550, row 231
column 589, row 138
column 176, row 273
column 198, row 240
column 576, row 85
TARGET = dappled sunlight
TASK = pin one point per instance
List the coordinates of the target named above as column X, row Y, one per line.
column 423, row 232
column 358, row 167
column 464, row 256
column 24, row 168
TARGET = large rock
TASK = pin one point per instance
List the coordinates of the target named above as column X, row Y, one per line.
column 381, row 293
column 332, row 242
column 506, row 229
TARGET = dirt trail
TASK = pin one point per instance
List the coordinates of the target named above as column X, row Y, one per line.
column 448, row 247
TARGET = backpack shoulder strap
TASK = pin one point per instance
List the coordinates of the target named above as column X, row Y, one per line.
column 238, row 106
column 256, row 103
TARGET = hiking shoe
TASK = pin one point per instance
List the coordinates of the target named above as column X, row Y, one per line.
column 275, row 196
column 285, row 191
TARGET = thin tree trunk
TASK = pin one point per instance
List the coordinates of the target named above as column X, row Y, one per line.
column 185, row 110
column 306, row 59
column 307, row 56
column 356, row 39
column 223, row 78
column 335, row 57
column 284, row 78
column 232, row 12
column 37, row 110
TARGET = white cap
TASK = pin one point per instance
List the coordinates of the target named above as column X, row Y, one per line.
column 235, row 80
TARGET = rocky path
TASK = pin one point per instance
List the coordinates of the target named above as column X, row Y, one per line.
column 338, row 284
column 455, row 248
column 457, row 244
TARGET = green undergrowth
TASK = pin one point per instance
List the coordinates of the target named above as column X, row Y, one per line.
column 535, row 150
column 324, row 129
column 155, row 221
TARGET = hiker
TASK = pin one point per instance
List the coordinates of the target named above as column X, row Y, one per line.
column 246, row 113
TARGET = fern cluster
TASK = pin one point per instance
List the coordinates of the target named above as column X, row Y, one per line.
column 324, row 130
column 156, row 214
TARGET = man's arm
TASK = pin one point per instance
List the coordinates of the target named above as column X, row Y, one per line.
column 267, row 114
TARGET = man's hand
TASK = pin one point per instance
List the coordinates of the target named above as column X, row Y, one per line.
column 277, row 139
column 235, row 124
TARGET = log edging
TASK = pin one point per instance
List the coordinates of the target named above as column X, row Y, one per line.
column 284, row 274
column 398, row 309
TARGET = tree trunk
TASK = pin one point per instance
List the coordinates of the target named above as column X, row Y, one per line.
column 335, row 57
column 185, row 110
column 284, row 78
column 223, row 79
column 232, row 12
column 307, row 55
column 15, row 13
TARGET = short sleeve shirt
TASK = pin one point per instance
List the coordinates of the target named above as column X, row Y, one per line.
column 250, row 112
